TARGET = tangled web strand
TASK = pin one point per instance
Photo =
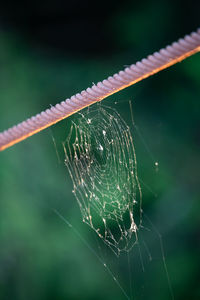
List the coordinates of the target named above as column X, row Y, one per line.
column 101, row 160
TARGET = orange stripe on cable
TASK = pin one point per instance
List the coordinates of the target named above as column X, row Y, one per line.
column 163, row 59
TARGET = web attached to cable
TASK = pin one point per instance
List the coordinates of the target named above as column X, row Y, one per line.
column 100, row 157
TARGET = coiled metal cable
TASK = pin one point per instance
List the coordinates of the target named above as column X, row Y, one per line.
column 163, row 59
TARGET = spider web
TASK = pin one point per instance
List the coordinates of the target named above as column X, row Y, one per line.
column 100, row 157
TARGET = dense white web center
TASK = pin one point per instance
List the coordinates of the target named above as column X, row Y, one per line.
column 101, row 161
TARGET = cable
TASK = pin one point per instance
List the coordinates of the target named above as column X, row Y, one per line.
column 163, row 59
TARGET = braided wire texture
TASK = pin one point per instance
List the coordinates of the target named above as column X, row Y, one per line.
column 163, row 59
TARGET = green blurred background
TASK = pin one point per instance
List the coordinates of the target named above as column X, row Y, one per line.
column 48, row 52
